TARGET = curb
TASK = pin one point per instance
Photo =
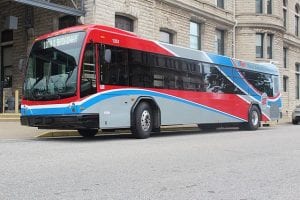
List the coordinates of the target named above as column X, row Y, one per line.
column 58, row 134
column 9, row 119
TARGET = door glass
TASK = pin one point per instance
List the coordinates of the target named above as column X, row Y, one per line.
column 88, row 73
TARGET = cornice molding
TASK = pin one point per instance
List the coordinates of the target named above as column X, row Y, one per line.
column 263, row 26
column 291, row 40
column 258, row 15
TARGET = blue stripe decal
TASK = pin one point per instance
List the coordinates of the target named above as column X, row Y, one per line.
column 226, row 66
column 244, row 85
column 231, row 72
column 220, row 60
column 101, row 97
column 239, row 81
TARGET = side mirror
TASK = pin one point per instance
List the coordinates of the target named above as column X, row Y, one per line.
column 107, row 55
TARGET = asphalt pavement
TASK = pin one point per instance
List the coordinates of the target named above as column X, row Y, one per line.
column 226, row 164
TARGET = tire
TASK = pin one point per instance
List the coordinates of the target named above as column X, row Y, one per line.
column 294, row 121
column 142, row 121
column 254, row 117
column 207, row 127
column 87, row 133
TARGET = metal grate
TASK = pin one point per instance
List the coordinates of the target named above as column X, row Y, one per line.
column 72, row 7
column 274, row 111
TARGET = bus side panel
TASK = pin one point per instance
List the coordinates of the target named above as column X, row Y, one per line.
column 114, row 111
column 177, row 112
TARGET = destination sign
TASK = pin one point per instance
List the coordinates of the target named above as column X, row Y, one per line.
column 61, row 40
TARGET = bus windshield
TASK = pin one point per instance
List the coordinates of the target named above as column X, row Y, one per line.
column 52, row 67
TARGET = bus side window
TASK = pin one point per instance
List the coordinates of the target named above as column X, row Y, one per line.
column 88, row 73
column 114, row 65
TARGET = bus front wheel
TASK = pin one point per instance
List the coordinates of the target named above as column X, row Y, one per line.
column 87, row 133
column 142, row 121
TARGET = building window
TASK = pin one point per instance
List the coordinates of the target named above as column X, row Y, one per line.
column 165, row 36
column 297, row 81
column 7, row 36
column 269, row 46
column 6, row 58
column 284, row 17
column 220, row 42
column 259, row 45
column 285, row 54
column 67, row 21
column 285, row 83
column 259, row 6
column 297, row 20
column 124, row 23
column 220, row 4
column 195, row 35
column 269, row 6
column 284, row 13
column 7, row 63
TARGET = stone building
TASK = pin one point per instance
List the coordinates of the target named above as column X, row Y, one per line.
column 255, row 30
column 268, row 31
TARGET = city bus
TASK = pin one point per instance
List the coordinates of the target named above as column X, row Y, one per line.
column 95, row 77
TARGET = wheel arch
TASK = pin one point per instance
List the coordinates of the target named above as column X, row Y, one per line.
column 256, row 104
column 154, row 106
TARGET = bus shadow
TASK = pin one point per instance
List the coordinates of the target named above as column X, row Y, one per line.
column 128, row 136
column 97, row 138
column 192, row 132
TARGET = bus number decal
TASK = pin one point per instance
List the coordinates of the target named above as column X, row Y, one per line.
column 116, row 41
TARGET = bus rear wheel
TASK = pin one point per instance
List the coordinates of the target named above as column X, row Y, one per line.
column 87, row 133
column 253, row 119
column 142, row 121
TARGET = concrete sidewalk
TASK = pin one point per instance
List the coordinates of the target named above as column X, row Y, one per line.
column 14, row 130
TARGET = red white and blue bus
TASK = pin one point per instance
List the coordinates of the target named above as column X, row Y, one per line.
column 93, row 77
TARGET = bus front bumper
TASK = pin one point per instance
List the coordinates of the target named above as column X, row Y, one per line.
column 79, row 121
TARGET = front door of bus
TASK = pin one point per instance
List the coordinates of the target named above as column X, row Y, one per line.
column 88, row 79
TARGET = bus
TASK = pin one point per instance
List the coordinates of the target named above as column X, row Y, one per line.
column 92, row 77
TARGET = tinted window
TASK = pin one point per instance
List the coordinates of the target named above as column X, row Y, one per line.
column 144, row 69
column 262, row 82
column 140, row 69
column 218, row 82
column 115, row 70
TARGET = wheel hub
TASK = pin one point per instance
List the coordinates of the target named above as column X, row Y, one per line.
column 254, row 118
column 146, row 120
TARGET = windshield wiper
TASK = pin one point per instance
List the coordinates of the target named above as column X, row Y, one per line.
column 65, row 94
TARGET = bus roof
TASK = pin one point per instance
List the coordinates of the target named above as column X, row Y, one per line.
column 220, row 59
column 176, row 51
column 86, row 28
